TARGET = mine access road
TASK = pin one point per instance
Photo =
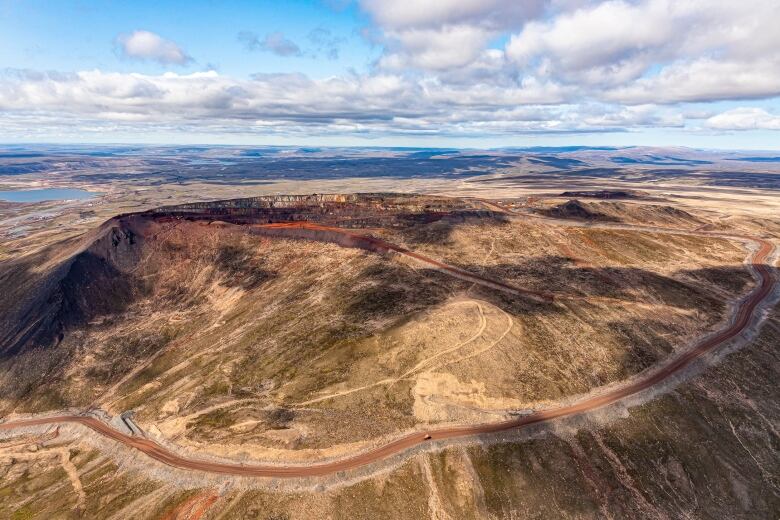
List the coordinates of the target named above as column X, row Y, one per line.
column 745, row 312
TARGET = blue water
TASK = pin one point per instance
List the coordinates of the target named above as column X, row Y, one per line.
column 45, row 194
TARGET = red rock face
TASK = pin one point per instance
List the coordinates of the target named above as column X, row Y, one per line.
column 349, row 211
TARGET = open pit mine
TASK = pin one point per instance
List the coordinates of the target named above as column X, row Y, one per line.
column 321, row 343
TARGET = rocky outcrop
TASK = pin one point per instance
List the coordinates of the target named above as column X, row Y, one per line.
column 350, row 211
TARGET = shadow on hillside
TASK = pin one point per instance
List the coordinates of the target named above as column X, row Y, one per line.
column 687, row 289
column 439, row 232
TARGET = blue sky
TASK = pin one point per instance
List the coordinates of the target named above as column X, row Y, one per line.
column 470, row 73
column 69, row 36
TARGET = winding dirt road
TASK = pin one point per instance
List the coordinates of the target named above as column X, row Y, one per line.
column 740, row 322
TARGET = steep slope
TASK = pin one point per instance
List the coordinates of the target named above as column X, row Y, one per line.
column 67, row 286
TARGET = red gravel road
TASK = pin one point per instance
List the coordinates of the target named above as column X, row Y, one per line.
column 740, row 322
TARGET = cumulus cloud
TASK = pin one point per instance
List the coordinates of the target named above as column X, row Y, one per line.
column 744, row 118
column 495, row 14
column 704, row 79
column 646, row 52
column 274, row 42
column 146, row 45
column 443, row 34
column 658, row 50
column 611, row 36
column 436, row 49
column 636, row 52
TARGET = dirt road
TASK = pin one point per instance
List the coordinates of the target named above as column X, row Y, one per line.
column 742, row 319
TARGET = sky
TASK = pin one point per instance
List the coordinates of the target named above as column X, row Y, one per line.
column 453, row 73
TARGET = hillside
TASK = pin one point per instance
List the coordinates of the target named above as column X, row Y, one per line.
column 293, row 328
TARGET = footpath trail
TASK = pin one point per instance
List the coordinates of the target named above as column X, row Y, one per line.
column 741, row 320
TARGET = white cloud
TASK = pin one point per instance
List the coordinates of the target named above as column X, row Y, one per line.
column 638, row 52
column 616, row 42
column 658, row 51
column 443, row 34
column 401, row 14
column 704, row 79
column 604, row 34
column 744, row 118
column 436, row 49
column 145, row 45
column 633, row 117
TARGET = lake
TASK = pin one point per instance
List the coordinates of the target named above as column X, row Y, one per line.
column 46, row 194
